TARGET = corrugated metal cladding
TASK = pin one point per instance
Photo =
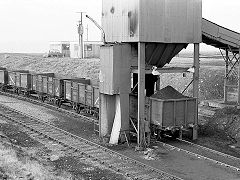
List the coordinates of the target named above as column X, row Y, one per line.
column 164, row 21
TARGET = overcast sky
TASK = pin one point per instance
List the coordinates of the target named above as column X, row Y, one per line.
column 29, row 25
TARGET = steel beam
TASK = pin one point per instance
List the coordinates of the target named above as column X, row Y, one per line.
column 226, row 77
column 163, row 70
column 141, row 94
column 239, row 77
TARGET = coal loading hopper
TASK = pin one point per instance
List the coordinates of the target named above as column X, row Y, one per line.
column 165, row 26
column 159, row 54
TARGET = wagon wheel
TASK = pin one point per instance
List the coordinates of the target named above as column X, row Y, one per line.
column 74, row 106
column 77, row 110
column 96, row 114
column 175, row 134
column 59, row 103
column 3, row 88
column 54, row 101
column 17, row 91
column 159, row 134
column 42, row 98
column 26, row 93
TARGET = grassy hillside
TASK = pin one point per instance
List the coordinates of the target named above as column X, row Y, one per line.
column 65, row 67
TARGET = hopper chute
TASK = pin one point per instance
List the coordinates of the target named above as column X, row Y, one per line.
column 159, row 54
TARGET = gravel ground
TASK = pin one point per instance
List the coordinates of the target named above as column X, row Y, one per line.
column 168, row 160
column 28, row 158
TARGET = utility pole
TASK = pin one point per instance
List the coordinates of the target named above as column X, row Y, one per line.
column 87, row 32
column 80, row 36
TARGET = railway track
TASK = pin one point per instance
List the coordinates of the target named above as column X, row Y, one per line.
column 50, row 106
column 202, row 152
column 208, row 154
column 119, row 163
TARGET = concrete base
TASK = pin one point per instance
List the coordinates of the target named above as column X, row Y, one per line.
column 113, row 108
column 107, row 114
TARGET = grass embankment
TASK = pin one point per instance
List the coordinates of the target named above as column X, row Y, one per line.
column 16, row 164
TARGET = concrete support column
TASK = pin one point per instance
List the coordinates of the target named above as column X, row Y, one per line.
column 158, row 86
column 141, row 94
column 226, row 77
column 196, row 87
column 124, row 104
column 196, row 73
column 107, row 114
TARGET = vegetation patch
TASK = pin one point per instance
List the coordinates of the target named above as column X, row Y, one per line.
column 17, row 137
column 224, row 124
column 13, row 167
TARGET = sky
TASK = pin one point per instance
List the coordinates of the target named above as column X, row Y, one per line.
column 27, row 26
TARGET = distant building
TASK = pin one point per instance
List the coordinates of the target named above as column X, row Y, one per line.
column 62, row 47
column 71, row 49
column 91, row 49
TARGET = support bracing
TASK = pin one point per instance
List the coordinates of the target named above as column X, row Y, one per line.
column 239, row 76
column 232, row 76
column 226, row 77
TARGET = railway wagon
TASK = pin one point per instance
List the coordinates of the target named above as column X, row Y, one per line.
column 81, row 94
column 169, row 112
column 55, row 89
column 19, row 81
column 38, row 82
column 92, row 98
column 48, row 87
column 3, row 78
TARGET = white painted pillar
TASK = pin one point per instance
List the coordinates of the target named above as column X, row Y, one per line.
column 107, row 113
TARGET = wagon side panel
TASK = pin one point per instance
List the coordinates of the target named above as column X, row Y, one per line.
column 96, row 96
column 67, row 90
column 81, row 93
column 89, row 95
column 12, row 78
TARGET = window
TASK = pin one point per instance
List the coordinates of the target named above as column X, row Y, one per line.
column 65, row 46
column 75, row 47
column 89, row 47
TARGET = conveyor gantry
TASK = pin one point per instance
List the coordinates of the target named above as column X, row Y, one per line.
column 220, row 37
column 229, row 41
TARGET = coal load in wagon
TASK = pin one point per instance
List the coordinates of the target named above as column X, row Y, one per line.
column 168, row 93
column 171, row 109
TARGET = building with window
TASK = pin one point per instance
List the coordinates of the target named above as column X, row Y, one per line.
column 71, row 49
column 91, row 49
column 61, row 47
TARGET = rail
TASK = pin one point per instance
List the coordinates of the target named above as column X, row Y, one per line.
column 111, row 159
